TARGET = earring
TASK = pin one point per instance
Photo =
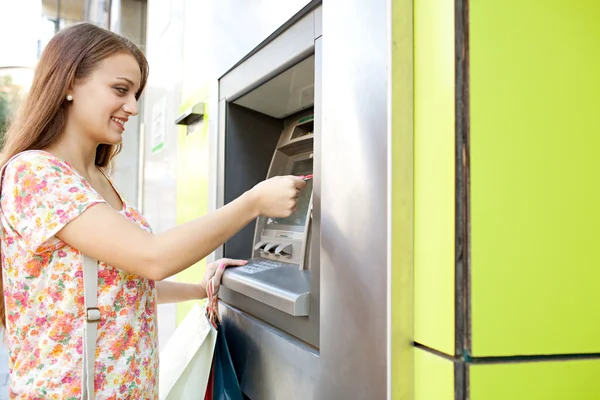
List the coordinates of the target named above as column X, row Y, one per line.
column 69, row 97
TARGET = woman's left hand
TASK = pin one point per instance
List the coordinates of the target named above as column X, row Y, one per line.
column 215, row 271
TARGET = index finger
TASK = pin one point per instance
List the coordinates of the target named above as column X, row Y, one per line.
column 232, row 262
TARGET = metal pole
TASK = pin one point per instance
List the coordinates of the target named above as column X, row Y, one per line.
column 57, row 21
column 109, row 14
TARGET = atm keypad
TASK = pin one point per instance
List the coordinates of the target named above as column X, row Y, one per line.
column 254, row 267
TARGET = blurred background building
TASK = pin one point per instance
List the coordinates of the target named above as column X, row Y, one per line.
column 26, row 26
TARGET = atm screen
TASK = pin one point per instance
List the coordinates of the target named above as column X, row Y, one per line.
column 298, row 218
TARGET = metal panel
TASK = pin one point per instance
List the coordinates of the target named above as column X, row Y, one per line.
column 283, row 287
column 220, row 151
column 354, row 199
column 240, row 26
column 293, row 45
column 215, row 159
column 296, row 83
column 315, row 233
column 318, row 22
column 284, row 368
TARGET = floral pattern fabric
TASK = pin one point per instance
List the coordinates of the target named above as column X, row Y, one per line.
column 43, row 289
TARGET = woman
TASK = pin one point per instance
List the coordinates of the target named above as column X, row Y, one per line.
column 58, row 204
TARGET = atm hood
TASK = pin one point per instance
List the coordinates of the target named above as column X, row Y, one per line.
column 289, row 92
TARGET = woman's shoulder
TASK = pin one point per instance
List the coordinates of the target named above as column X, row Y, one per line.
column 34, row 161
column 37, row 171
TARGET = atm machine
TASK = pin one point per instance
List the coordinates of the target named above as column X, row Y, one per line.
column 269, row 126
column 276, row 283
column 306, row 318
column 278, row 272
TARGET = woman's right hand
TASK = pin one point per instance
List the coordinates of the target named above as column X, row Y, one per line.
column 276, row 197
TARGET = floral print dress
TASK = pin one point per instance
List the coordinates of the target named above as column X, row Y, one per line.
column 43, row 289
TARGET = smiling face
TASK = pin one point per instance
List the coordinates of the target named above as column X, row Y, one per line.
column 103, row 102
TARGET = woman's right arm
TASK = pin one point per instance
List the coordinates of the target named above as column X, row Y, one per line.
column 103, row 233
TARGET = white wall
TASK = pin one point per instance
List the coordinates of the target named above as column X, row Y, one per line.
column 161, row 103
column 146, row 177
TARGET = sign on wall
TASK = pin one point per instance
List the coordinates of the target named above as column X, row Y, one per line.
column 159, row 125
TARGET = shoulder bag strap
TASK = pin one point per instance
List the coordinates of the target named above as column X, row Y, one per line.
column 90, row 327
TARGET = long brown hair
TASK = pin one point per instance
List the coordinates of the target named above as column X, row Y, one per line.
column 70, row 57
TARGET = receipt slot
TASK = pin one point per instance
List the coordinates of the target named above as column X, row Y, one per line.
column 267, row 132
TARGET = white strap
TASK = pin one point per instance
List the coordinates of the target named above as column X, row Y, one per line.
column 90, row 327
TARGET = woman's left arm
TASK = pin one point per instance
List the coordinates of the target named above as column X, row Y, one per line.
column 176, row 292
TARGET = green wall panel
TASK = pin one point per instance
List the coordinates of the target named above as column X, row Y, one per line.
column 535, row 135
column 402, row 201
column 192, row 189
column 434, row 377
column 434, row 143
column 554, row 380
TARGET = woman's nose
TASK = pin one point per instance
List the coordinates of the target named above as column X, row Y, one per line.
column 131, row 107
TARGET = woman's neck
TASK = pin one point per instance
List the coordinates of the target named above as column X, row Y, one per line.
column 81, row 154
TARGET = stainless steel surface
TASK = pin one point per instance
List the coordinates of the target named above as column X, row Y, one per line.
column 354, row 195
column 239, row 26
column 215, row 157
column 219, row 138
column 296, row 85
column 293, row 45
column 314, row 254
column 270, row 366
column 280, row 286
column 318, row 22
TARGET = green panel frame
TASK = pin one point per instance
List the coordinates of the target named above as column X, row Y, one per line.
column 551, row 380
column 535, row 135
column 434, row 377
column 434, row 180
column 402, row 306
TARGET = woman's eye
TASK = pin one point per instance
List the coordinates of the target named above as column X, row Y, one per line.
column 122, row 90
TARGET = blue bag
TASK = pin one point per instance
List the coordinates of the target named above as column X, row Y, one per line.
column 226, row 385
